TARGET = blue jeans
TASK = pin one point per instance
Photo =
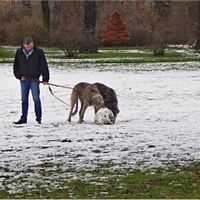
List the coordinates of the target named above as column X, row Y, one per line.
column 26, row 86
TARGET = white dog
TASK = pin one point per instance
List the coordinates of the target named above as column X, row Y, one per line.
column 104, row 116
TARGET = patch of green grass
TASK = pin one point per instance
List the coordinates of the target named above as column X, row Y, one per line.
column 128, row 57
column 6, row 53
column 110, row 55
column 6, row 56
column 183, row 184
column 105, row 184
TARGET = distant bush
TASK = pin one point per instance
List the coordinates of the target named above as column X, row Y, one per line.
column 4, row 33
column 22, row 27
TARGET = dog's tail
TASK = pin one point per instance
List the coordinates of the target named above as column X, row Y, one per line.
column 76, row 109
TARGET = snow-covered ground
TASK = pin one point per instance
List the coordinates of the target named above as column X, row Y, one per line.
column 158, row 124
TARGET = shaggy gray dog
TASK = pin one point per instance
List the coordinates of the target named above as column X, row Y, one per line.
column 110, row 98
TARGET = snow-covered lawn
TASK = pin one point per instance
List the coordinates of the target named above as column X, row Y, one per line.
column 158, row 124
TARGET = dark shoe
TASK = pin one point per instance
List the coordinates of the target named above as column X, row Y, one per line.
column 20, row 122
column 39, row 121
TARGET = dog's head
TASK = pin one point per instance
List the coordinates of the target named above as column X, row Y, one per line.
column 97, row 101
column 114, row 108
column 115, row 112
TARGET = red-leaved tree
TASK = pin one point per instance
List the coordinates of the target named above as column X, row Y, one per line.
column 115, row 32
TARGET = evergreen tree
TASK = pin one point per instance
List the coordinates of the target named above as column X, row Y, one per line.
column 115, row 32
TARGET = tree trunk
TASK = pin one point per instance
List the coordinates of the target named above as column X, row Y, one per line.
column 89, row 44
column 46, row 13
column 198, row 28
column 46, row 17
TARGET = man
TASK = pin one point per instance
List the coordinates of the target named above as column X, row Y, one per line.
column 29, row 64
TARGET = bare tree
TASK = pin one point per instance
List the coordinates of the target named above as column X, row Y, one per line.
column 159, row 25
column 68, row 36
column 149, row 22
column 5, row 7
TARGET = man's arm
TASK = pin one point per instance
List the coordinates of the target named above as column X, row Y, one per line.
column 44, row 68
column 16, row 66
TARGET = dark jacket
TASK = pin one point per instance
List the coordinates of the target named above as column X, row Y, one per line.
column 33, row 67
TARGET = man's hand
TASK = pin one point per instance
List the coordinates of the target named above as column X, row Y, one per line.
column 45, row 83
column 23, row 78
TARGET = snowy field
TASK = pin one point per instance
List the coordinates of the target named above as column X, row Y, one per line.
column 158, row 124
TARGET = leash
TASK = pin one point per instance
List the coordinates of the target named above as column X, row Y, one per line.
column 50, row 90
column 56, row 96
column 62, row 86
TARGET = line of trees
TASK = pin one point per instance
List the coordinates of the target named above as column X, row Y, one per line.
column 78, row 26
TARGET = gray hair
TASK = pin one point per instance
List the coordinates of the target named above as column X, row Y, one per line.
column 27, row 40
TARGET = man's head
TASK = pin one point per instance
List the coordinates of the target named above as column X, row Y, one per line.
column 28, row 43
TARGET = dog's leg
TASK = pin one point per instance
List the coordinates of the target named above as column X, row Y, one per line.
column 70, row 114
column 73, row 101
column 95, row 110
column 82, row 111
column 82, row 102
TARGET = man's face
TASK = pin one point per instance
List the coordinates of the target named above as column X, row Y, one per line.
column 29, row 46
